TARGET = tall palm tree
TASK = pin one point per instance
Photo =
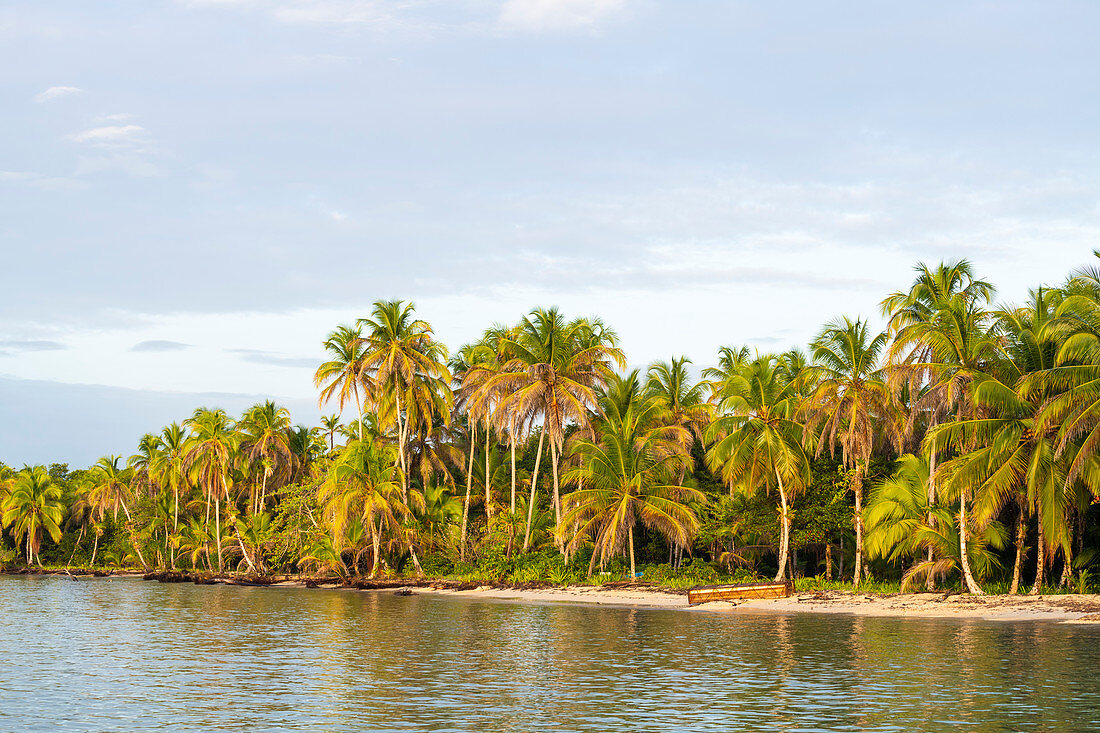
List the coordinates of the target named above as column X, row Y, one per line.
column 942, row 342
column 552, row 377
column 168, row 468
column 757, row 439
column 850, row 404
column 407, row 368
column 210, row 456
column 33, row 507
column 629, row 475
column 266, row 441
column 341, row 377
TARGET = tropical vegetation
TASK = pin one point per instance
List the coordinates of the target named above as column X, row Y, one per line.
column 957, row 447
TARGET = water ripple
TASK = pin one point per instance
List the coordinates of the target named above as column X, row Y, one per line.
column 127, row 655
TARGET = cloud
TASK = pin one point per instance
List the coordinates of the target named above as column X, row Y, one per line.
column 554, row 15
column 478, row 17
column 56, row 93
column 110, row 135
column 157, row 345
column 256, row 356
column 32, row 345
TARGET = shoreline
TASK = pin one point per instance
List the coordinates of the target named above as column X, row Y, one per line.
column 1076, row 609
column 1066, row 608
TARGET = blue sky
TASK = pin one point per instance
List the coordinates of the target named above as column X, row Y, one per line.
column 193, row 193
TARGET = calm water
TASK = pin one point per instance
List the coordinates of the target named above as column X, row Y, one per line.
column 129, row 655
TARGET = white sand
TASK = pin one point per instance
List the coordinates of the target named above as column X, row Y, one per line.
column 1069, row 608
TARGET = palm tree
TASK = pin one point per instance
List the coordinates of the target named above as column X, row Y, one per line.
column 629, row 475
column 168, row 469
column 757, row 440
column 331, row 424
column 265, row 429
column 942, row 342
column 110, row 491
column 210, row 455
column 552, row 377
column 33, row 507
column 341, row 376
column 947, row 299
column 898, row 527
column 253, row 534
column 408, row 371
column 682, row 403
column 364, row 484
column 849, row 404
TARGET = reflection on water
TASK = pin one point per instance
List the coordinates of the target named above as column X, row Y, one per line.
column 129, row 655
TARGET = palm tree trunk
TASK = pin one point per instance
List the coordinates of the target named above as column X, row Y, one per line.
column 930, row 581
column 1040, row 557
column 244, row 551
column 784, row 529
column 401, row 448
column 557, row 496
column 218, row 528
column 512, row 440
column 263, row 492
column 964, row 561
column 77, row 545
column 416, row 561
column 359, row 404
column 95, row 549
column 630, row 541
column 488, row 499
column 175, row 526
column 1067, row 558
column 133, row 539
column 376, row 542
column 1021, row 537
column 469, row 486
column 1040, row 564
column 534, row 486
column 857, row 488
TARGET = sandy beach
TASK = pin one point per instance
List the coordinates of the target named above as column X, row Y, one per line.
column 1068, row 608
column 1084, row 609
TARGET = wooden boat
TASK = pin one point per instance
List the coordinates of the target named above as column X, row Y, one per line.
column 742, row 591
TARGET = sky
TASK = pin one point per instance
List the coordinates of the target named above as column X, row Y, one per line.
column 193, row 193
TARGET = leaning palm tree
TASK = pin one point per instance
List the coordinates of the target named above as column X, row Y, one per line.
column 850, row 404
column 757, row 440
column 110, row 491
column 341, row 377
column 898, row 528
column 552, row 377
column 628, row 475
column 364, row 484
column 33, row 508
column 211, row 453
